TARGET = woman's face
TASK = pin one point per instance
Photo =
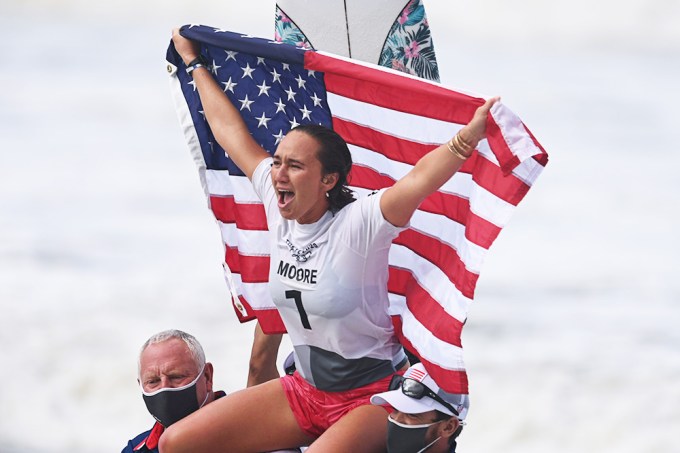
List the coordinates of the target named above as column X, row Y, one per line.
column 298, row 179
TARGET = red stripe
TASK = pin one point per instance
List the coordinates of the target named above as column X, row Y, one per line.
column 452, row 381
column 398, row 149
column 480, row 231
column 250, row 313
column 424, row 308
column 443, row 256
column 247, row 216
column 253, row 269
column 393, row 91
column 506, row 187
column 270, row 321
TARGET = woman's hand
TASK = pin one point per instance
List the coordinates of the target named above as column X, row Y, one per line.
column 475, row 130
column 186, row 48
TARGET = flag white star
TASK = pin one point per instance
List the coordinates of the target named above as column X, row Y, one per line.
column 286, row 67
column 279, row 136
column 264, row 88
column 280, row 106
column 305, row 112
column 294, row 123
column 247, row 71
column 311, row 73
column 214, row 67
column 291, row 94
column 245, row 103
column 260, row 60
column 229, row 85
column 193, row 84
column 262, row 121
column 276, row 75
column 301, row 82
column 231, row 55
column 317, row 100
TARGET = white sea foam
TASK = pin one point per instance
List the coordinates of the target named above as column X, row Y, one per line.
column 572, row 341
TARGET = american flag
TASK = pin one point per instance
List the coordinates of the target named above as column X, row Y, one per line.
column 389, row 120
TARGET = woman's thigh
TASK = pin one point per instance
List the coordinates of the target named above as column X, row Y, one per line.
column 362, row 430
column 251, row 420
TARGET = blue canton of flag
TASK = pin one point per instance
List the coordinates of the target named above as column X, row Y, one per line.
column 274, row 93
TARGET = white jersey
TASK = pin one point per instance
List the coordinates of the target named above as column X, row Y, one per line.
column 328, row 280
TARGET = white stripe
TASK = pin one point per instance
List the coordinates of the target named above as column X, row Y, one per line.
column 514, row 133
column 490, row 207
column 257, row 294
column 429, row 347
column 433, row 280
column 250, row 242
column 419, row 128
column 457, row 185
column 222, row 183
column 187, row 125
column 452, row 234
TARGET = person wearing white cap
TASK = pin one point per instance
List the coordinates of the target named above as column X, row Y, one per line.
column 425, row 417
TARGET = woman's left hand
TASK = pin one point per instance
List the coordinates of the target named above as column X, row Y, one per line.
column 475, row 130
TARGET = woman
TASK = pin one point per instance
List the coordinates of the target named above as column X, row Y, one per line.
column 328, row 278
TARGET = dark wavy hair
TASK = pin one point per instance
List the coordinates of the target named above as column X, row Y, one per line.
column 335, row 157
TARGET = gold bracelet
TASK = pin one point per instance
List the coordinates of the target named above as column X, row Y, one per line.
column 465, row 150
column 463, row 144
column 453, row 149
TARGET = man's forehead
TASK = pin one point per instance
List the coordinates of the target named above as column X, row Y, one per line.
column 172, row 353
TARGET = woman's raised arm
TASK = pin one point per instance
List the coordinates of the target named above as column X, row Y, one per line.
column 400, row 201
column 225, row 121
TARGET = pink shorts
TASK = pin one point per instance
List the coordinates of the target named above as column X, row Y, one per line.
column 316, row 410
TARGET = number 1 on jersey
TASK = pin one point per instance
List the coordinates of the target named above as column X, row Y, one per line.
column 297, row 297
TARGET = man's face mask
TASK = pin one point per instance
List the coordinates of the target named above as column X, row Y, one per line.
column 169, row 405
column 403, row 438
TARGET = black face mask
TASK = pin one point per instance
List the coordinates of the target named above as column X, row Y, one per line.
column 169, row 405
column 407, row 438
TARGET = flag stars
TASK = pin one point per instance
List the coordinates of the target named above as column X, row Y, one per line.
column 229, row 85
column 286, row 67
column 291, row 94
column 264, row 88
column 260, row 61
column 247, row 71
column 231, row 55
column 316, row 99
column 301, row 82
column 193, row 84
column 311, row 73
column 245, row 103
column 214, row 67
column 262, row 121
column 280, row 106
column 294, row 123
column 278, row 136
column 276, row 75
column 305, row 113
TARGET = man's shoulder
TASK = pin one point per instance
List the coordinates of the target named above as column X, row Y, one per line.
column 145, row 442
column 133, row 443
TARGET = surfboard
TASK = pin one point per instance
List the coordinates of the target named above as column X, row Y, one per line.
column 391, row 33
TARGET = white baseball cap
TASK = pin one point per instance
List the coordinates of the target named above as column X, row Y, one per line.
column 411, row 405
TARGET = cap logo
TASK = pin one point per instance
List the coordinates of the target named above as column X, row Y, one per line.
column 417, row 375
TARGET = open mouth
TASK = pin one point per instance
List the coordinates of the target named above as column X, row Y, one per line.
column 285, row 196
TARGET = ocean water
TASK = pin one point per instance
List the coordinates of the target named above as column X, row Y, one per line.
column 572, row 343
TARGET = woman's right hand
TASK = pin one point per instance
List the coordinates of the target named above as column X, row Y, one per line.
column 186, row 48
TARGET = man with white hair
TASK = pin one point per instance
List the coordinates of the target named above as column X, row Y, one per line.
column 425, row 418
column 175, row 380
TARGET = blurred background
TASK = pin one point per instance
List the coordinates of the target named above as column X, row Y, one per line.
column 572, row 343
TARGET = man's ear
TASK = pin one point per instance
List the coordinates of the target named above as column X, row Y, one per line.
column 449, row 427
column 208, row 373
